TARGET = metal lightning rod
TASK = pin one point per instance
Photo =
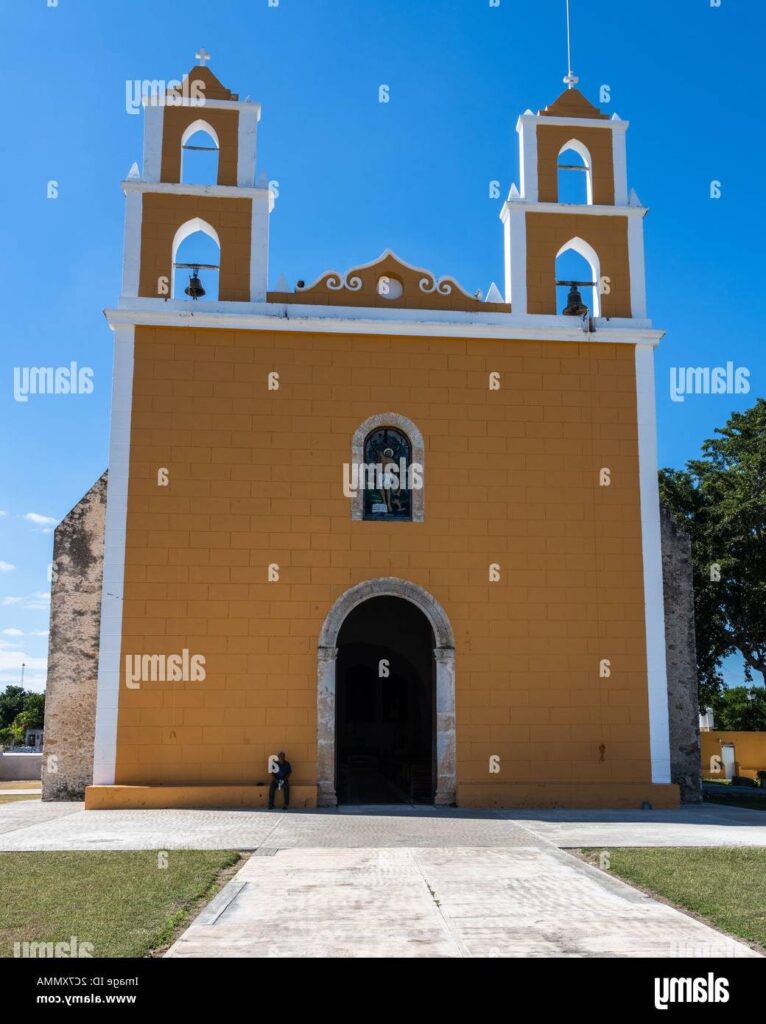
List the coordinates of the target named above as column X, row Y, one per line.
column 571, row 79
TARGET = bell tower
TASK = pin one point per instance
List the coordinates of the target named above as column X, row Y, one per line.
column 163, row 209
column 605, row 225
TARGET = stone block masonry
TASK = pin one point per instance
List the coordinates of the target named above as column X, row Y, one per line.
column 70, row 713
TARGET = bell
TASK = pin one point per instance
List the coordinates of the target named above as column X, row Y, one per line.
column 195, row 289
column 575, row 305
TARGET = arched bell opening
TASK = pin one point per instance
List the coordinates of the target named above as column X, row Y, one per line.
column 196, row 262
column 578, row 280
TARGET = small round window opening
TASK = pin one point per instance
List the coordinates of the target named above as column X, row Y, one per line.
column 389, row 288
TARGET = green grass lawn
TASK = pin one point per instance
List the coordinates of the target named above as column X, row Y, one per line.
column 724, row 885
column 124, row 904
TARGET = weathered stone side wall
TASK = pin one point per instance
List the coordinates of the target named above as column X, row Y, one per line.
column 70, row 704
column 681, row 650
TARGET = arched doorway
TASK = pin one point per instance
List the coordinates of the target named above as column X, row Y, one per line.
column 384, row 729
column 441, row 676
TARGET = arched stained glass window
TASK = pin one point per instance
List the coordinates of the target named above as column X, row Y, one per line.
column 385, row 475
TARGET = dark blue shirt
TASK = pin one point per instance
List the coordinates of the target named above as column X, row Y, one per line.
column 283, row 770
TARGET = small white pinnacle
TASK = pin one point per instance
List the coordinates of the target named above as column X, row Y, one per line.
column 634, row 200
column 493, row 294
column 616, row 117
column 134, row 172
column 514, row 193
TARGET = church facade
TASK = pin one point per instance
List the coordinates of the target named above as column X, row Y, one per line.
column 407, row 535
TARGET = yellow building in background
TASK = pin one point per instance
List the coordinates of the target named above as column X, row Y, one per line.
column 726, row 753
column 407, row 535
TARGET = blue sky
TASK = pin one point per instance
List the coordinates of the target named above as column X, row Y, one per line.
column 357, row 176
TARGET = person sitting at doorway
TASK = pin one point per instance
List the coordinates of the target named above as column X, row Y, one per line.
column 280, row 779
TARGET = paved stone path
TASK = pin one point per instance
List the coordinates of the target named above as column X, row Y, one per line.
column 413, row 882
column 522, row 900
column 32, row 825
column 701, row 825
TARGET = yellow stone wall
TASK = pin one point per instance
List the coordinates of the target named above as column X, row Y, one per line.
column 164, row 214
column 511, row 477
column 598, row 141
column 749, row 752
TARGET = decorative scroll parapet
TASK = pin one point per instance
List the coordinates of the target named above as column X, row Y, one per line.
column 388, row 282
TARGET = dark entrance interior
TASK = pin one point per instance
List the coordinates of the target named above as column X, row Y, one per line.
column 385, row 705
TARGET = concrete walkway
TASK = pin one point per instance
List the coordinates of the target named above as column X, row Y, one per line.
column 700, row 825
column 33, row 825
column 412, row 882
column 517, row 901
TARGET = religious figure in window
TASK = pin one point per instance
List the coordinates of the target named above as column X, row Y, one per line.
column 386, row 475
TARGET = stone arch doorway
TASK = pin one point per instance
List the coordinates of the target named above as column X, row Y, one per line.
column 333, row 638
column 384, row 705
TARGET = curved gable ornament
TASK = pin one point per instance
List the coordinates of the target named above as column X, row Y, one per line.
column 388, row 281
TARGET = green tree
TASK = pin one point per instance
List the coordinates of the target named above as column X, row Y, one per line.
column 741, row 708
column 20, row 710
column 12, row 701
column 34, row 711
column 720, row 500
column 7, row 736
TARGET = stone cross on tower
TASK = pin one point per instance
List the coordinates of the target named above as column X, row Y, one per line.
column 202, row 56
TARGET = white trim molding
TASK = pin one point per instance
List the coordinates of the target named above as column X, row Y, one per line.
column 131, row 260
column 444, row 655
column 110, row 642
column 514, row 220
column 637, row 266
column 580, row 208
column 262, row 205
column 620, row 165
column 651, row 543
column 247, row 137
column 154, row 118
column 200, row 125
column 527, row 131
column 612, row 124
column 280, row 316
column 180, row 189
